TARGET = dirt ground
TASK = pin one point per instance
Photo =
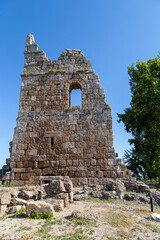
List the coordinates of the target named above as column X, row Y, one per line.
column 115, row 220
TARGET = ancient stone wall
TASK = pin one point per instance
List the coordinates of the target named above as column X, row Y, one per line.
column 53, row 138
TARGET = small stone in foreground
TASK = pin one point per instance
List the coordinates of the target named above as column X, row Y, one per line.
column 80, row 197
column 78, row 214
column 155, row 217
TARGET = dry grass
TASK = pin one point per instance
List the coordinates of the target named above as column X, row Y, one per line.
column 119, row 221
column 152, row 227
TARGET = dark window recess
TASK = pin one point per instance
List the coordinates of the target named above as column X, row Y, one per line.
column 52, row 143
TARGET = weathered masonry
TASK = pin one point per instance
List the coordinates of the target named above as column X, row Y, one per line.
column 53, row 138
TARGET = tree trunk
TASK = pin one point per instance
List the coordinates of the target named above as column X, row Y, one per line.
column 158, row 182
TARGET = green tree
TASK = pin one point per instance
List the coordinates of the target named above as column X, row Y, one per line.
column 142, row 118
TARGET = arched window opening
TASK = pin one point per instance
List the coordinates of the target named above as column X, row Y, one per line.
column 75, row 95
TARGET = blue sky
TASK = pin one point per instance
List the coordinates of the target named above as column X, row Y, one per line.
column 112, row 34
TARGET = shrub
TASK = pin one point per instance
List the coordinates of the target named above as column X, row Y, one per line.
column 40, row 215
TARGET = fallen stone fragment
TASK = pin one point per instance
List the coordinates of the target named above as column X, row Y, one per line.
column 136, row 186
column 120, row 194
column 79, row 215
column 70, row 196
column 55, row 186
column 130, row 197
column 26, row 195
column 2, row 210
column 64, row 196
column 17, row 201
column 75, row 191
column 5, row 198
column 13, row 209
column 96, row 194
column 136, row 197
column 34, row 207
column 58, row 204
column 92, row 188
column 87, row 189
column 14, row 193
column 80, row 197
column 68, row 185
column 66, row 199
column 109, row 195
column 144, row 199
column 155, row 217
column 156, row 196
column 113, row 185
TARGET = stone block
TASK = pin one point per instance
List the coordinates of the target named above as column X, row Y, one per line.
column 34, row 207
column 17, row 201
column 37, row 172
column 5, row 197
column 68, row 186
column 22, row 170
column 13, row 209
column 55, row 186
column 75, row 162
column 62, row 163
column 26, row 195
column 18, row 183
column 58, row 204
column 100, row 174
column 66, row 199
column 70, row 196
column 47, row 171
column 2, row 210
column 33, row 152
column 25, row 176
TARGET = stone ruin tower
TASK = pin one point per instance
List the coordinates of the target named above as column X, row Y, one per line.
column 52, row 138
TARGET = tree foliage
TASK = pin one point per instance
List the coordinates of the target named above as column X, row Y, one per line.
column 142, row 118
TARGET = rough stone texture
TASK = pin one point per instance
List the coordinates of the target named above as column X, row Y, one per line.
column 17, row 201
column 54, row 187
column 109, row 195
column 5, row 171
column 156, row 196
column 59, row 194
column 58, row 190
column 114, row 185
column 96, row 194
column 80, row 197
column 136, row 186
column 14, row 193
column 13, row 209
column 120, row 193
column 26, row 195
column 2, row 210
column 5, row 198
column 136, row 197
column 58, row 204
column 53, row 138
column 38, row 207
column 155, row 217
column 81, row 215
